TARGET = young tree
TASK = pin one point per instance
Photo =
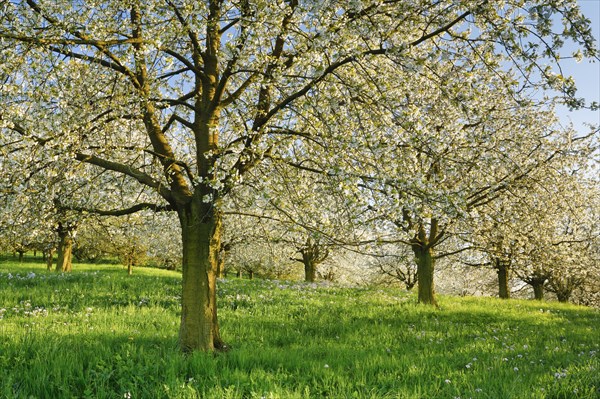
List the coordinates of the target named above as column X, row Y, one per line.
column 214, row 86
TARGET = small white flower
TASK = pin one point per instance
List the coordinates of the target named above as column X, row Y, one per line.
column 326, row 366
column 447, row 381
column 516, row 369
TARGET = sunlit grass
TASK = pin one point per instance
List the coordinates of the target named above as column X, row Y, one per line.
column 98, row 333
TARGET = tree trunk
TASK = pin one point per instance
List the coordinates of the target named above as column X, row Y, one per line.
column 563, row 296
column 64, row 255
column 310, row 270
column 502, row 270
column 130, row 260
column 538, row 289
column 221, row 265
column 49, row 254
column 250, row 274
column 425, row 268
column 21, row 253
column 201, row 235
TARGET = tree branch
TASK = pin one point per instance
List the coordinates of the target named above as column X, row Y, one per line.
column 128, row 171
column 121, row 212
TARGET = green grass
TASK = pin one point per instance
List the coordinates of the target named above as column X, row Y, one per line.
column 97, row 333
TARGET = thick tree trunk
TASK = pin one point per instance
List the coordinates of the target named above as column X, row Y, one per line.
column 201, row 235
column 310, row 270
column 502, row 270
column 425, row 268
column 538, row 289
column 64, row 256
column 563, row 296
column 21, row 253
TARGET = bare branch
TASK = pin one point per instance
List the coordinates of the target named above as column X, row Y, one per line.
column 128, row 171
column 121, row 212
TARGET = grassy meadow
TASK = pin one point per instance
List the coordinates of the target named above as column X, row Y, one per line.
column 98, row 333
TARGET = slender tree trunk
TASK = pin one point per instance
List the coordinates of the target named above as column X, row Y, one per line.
column 49, row 255
column 502, row 270
column 221, row 264
column 201, row 235
column 130, row 261
column 250, row 274
column 425, row 268
column 64, row 256
column 21, row 253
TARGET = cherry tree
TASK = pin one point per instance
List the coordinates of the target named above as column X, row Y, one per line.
column 185, row 97
column 461, row 139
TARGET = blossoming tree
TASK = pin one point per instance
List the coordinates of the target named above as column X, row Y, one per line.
column 185, row 97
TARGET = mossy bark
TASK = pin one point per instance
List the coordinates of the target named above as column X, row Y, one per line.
column 538, row 289
column 201, row 235
column 64, row 255
column 425, row 269
column 502, row 270
column 310, row 271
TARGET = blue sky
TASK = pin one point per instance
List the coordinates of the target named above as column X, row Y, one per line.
column 585, row 73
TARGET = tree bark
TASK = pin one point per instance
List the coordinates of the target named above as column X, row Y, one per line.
column 201, row 235
column 221, row 272
column 563, row 296
column 64, row 256
column 49, row 254
column 502, row 269
column 310, row 270
column 221, row 265
column 21, row 253
column 130, row 260
column 425, row 268
column 538, row 289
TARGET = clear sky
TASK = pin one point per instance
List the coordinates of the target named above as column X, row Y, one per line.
column 585, row 73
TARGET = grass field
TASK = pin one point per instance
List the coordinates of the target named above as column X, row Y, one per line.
column 98, row 333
